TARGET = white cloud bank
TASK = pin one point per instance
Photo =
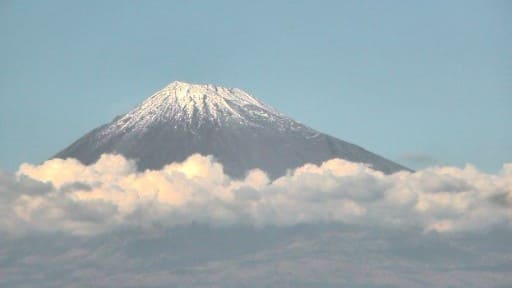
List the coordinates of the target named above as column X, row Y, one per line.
column 66, row 196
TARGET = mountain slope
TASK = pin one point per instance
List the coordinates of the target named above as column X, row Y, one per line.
column 240, row 131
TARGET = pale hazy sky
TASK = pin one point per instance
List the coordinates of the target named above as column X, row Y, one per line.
column 419, row 82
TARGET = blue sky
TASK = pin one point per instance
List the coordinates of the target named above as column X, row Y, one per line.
column 418, row 82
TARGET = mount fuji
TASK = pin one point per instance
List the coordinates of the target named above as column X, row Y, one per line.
column 240, row 131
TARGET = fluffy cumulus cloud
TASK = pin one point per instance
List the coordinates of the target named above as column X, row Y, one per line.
column 67, row 196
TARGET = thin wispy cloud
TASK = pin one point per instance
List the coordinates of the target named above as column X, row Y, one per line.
column 418, row 160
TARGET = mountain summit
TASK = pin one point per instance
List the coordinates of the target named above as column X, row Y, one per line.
column 240, row 131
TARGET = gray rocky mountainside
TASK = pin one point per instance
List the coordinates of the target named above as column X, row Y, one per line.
column 237, row 129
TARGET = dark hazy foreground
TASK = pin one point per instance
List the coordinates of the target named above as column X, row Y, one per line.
column 318, row 255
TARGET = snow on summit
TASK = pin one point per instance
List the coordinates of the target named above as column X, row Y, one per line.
column 195, row 103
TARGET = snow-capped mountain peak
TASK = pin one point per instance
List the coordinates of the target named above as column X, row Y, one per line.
column 193, row 104
column 240, row 131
